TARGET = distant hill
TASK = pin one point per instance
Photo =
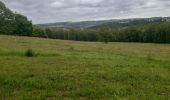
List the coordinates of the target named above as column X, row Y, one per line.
column 130, row 22
column 83, row 24
column 113, row 23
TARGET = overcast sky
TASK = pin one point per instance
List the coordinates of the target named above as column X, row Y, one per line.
column 45, row 11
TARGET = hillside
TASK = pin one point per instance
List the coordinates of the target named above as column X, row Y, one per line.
column 113, row 23
column 83, row 70
column 132, row 22
column 80, row 25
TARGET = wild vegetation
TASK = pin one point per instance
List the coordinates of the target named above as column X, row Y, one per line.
column 83, row 70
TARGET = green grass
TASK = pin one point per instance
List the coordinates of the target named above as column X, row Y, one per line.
column 69, row 70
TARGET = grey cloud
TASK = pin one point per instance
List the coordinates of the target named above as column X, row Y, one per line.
column 43, row 11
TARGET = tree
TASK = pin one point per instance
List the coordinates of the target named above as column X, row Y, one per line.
column 6, row 20
column 23, row 26
column 38, row 32
column 105, row 35
column 12, row 23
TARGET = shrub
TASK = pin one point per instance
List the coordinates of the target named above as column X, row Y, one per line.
column 29, row 53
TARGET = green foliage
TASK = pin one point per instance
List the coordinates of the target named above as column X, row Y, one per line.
column 29, row 53
column 13, row 23
column 149, row 33
column 105, row 35
column 38, row 32
column 23, row 26
column 6, row 20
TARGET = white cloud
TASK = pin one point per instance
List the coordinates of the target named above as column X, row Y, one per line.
column 89, row 1
column 57, row 4
column 42, row 11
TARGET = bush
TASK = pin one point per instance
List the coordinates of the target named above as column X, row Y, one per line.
column 29, row 53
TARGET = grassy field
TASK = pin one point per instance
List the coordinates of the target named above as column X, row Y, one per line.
column 70, row 70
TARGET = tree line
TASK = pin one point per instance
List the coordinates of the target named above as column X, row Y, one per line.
column 149, row 33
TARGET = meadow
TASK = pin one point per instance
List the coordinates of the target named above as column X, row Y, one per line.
column 72, row 70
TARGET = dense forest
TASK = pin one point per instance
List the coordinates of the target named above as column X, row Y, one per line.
column 158, row 32
column 154, row 31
